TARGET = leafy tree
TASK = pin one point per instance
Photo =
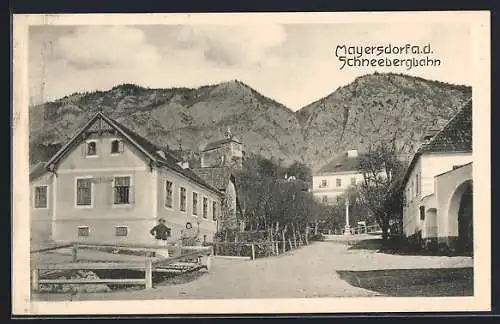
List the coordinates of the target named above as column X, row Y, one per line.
column 281, row 208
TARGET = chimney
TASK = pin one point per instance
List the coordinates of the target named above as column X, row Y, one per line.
column 183, row 164
column 352, row 153
column 161, row 153
column 429, row 135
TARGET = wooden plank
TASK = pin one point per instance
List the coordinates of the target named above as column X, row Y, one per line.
column 193, row 255
column 74, row 252
column 35, row 279
column 93, row 281
column 90, row 266
column 148, row 275
column 57, row 247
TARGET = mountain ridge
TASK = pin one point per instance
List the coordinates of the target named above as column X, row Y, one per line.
column 188, row 118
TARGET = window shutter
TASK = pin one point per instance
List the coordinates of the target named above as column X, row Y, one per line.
column 84, row 149
column 112, row 192
column 131, row 194
column 121, row 146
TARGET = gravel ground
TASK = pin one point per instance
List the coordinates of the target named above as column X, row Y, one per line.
column 311, row 271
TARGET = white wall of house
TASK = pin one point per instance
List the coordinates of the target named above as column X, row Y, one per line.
column 176, row 218
column 437, row 163
column 42, row 208
column 449, row 189
column 420, row 184
column 332, row 185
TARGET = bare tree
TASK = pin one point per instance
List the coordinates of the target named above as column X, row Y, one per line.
column 380, row 190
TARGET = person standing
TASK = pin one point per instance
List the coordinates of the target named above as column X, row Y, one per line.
column 161, row 233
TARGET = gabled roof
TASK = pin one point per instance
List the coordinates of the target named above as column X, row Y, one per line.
column 148, row 148
column 454, row 137
column 37, row 171
column 218, row 143
column 218, row 177
column 341, row 163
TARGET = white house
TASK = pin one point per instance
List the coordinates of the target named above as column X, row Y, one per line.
column 333, row 179
column 438, row 186
column 108, row 184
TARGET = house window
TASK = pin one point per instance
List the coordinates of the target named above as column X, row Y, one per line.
column 116, row 146
column 122, row 190
column 168, row 194
column 91, row 148
column 183, row 199
column 324, row 199
column 195, row 203
column 205, row 207
column 324, row 184
column 84, row 192
column 41, row 197
column 214, row 210
column 422, row 213
column 83, row 231
column 339, row 182
column 121, row 231
column 353, row 181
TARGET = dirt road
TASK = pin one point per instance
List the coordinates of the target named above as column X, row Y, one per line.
column 312, row 271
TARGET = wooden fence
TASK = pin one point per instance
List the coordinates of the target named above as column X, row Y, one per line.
column 199, row 255
column 254, row 249
column 371, row 229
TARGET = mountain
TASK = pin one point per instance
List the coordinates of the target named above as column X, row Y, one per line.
column 372, row 108
column 184, row 117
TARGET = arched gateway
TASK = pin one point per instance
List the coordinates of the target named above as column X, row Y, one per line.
column 460, row 212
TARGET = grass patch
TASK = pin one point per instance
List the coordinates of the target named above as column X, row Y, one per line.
column 414, row 282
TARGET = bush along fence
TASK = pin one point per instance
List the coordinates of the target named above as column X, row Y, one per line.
column 255, row 250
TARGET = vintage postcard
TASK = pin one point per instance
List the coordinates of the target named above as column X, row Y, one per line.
column 251, row 163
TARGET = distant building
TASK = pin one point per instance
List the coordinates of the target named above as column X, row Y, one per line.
column 109, row 184
column 227, row 152
column 223, row 179
column 438, row 186
column 333, row 179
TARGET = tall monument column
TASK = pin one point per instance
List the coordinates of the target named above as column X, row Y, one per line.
column 347, row 229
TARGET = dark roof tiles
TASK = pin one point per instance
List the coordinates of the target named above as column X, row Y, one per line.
column 217, row 177
column 456, row 135
column 218, row 143
column 341, row 163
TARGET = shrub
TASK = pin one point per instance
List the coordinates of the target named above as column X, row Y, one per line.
column 317, row 237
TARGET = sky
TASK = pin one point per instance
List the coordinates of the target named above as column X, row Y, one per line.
column 294, row 64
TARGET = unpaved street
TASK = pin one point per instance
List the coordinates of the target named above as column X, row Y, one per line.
column 310, row 271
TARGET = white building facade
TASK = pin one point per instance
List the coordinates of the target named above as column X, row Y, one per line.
column 438, row 185
column 332, row 180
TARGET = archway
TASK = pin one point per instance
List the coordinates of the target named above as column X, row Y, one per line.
column 461, row 212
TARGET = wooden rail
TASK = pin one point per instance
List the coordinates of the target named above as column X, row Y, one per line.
column 51, row 248
column 202, row 255
column 275, row 245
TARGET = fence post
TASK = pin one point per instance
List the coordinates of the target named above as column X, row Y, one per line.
column 34, row 279
column 148, row 274
column 74, row 252
column 253, row 251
